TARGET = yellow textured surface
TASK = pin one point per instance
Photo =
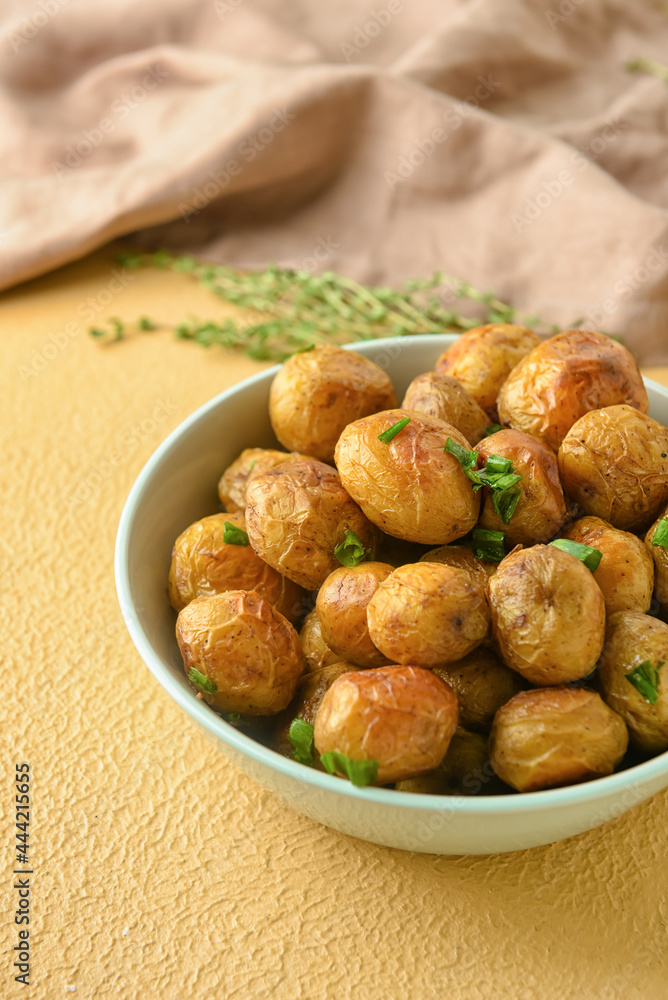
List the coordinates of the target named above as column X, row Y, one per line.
column 160, row 870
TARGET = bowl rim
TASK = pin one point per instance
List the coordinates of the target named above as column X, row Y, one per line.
column 205, row 717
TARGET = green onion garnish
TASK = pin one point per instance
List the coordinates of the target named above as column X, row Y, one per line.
column 645, row 679
column 590, row 557
column 351, row 550
column 392, row 431
column 493, row 429
column 488, row 544
column 235, row 536
column 467, row 459
column 300, row 735
column 497, row 464
column 505, row 503
column 201, row 681
column 661, row 533
column 497, row 474
column 359, row 772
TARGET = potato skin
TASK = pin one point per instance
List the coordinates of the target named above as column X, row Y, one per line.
column 317, row 653
column 482, row 684
column 548, row 615
column 402, row 717
column 427, row 613
column 464, row 769
column 630, row 639
column 614, row 463
column 541, row 510
column 445, row 398
column 317, row 392
column 659, row 557
column 251, row 462
column 461, row 557
column 555, row 736
column 297, row 514
column 625, row 573
column 564, row 378
column 246, row 647
column 341, row 606
column 311, row 689
column 482, row 359
column 410, row 488
column 204, row 564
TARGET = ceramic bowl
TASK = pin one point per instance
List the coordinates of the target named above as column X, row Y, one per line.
column 178, row 486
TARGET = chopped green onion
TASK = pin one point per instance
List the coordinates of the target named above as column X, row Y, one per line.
column 392, row 431
column 467, row 459
column 201, row 681
column 645, row 679
column 505, row 503
column 359, row 772
column 497, row 474
column 252, row 466
column 488, row 544
column 590, row 557
column 351, row 550
column 493, row 429
column 235, row 536
column 145, row 323
column 497, row 464
column 661, row 533
column 300, row 735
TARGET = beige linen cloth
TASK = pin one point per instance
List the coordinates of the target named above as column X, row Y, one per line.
column 502, row 141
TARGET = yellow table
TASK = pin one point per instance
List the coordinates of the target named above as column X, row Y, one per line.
column 159, row 870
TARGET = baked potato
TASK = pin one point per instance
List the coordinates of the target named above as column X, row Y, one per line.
column 625, row 573
column 297, row 514
column 251, row 462
column 482, row 684
column 482, row 359
column 318, row 392
column 548, row 615
column 659, row 555
column 555, row 736
column 464, row 770
column 633, row 641
column 317, row 653
column 445, row 398
column 401, row 717
column 241, row 653
column 614, row 463
column 341, row 607
column 565, row 377
column 428, row 613
column 410, row 487
column 461, row 557
column 311, row 690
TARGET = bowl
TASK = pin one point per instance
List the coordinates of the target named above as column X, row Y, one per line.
column 178, row 486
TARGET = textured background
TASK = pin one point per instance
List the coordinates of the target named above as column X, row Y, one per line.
column 161, row 871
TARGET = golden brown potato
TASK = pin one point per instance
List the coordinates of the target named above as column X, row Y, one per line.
column 317, row 392
column 465, row 769
column 251, row 462
column 631, row 639
column 296, row 516
column 203, row 563
column 541, row 510
column 555, row 736
column 317, row 653
column 401, row 717
column 548, row 615
column 411, row 487
column 625, row 573
column 445, row 398
column 660, row 558
column 311, row 690
column 564, row 378
column 461, row 557
column 614, row 463
column 482, row 684
column 428, row 613
column 245, row 648
column 482, row 359
column 341, row 606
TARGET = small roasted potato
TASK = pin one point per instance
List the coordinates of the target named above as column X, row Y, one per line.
column 555, row 736
column 428, row 613
column 296, row 516
column 445, row 398
column 614, row 463
column 625, row 573
column 631, row 639
column 317, row 653
column 541, row 509
column 461, row 557
column 482, row 359
column 311, row 690
column 341, row 606
column 482, row 684
column 548, row 615
column 401, row 717
column 409, row 487
column 245, row 648
column 564, row 378
column 659, row 555
column 317, row 392
column 203, row 564
column 251, row 462
column 465, row 769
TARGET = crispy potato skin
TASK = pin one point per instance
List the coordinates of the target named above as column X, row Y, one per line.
column 461, row 557
column 625, row 573
column 311, row 689
column 659, row 557
column 482, row 684
column 465, row 769
column 445, row 398
column 482, row 359
column 317, row 653
column 428, row 613
column 204, row 564
column 630, row 639
column 548, row 615
column 251, row 462
column 246, row 647
column 317, row 392
column 297, row 514
column 402, row 717
column 541, row 510
column 555, row 736
column 614, row 463
column 564, row 378
column 341, row 606
column 410, row 488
